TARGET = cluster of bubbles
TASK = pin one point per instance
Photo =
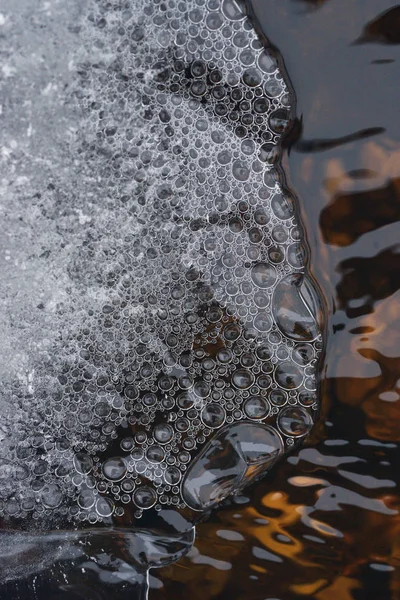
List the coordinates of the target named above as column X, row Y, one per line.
column 194, row 310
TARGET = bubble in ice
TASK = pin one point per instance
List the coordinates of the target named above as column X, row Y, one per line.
column 256, row 407
column 295, row 421
column 145, row 497
column 235, row 456
column 167, row 351
column 163, row 433
column 213, row 415
column 114, row 469
column 263, row 275
column 288, row 375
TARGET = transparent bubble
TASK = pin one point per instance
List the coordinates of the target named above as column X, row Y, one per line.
column 303, row 354
column 86, row 499
column 213, row 415
column 263, row 275
column 232, row 332
column 114, row 469
column 240, row 171
column 261, row 105
column 104, row 507
column 297, row 255
column 51, row 495
column 294, row 308
column 294, row 421
column 234, row 457
column 307, row 398
column 279, row 120
column 198, row 68
column 270, row 154
column 283, row 206
column 251, row 77
column 185, row 401
column 276, row 255
column 256, row 407
column 266, row 62
column 83, row 463
column 214, row 21
column 144, row 497
column 172, row 475
column 278, row 397
column 155, row 454
column 261, row 217
column 163, row 433
column 232, row 11
column 288, row 375
column 201, row 389
column 262, row 322
column 242, row 379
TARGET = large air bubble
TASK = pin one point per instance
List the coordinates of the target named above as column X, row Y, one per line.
column 296, row 308
column 231, row 460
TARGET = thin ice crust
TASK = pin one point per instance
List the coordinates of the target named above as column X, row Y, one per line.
column 153, row 276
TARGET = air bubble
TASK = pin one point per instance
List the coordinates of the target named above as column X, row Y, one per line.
column 294, row 421
column 293, row 315
column 155, row 454
column 303, row 354
column 263, row 322
column 256, row 407
column 263, row 275
column 172, row 475
column 283, row 206
column 163, row 433
column 288, row 375
column 279, row 121
column 213, row 415
column 83, row 463
column 240, row 171
column 114, row 469
column 307, row 398
column 51, row 496
column 242, row 379
column 104, row 507
column 278, row 397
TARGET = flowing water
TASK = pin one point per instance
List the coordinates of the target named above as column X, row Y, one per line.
column 324, row 522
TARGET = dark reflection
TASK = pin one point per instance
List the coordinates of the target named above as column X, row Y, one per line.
column 382, row 61
column 313, row 3
column 385, row 29
column 321, row 145
column 367, row 280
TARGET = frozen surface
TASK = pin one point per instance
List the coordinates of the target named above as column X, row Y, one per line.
column 153, row 285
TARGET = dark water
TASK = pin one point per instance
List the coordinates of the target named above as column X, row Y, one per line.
column 326, row 524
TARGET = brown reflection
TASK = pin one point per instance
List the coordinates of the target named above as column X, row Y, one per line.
column 378, row 397
column 385, row 29
column 294, row 541
column 353, row 214
column 366, row 280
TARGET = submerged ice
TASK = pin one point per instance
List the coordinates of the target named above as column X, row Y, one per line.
column 159, row 328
